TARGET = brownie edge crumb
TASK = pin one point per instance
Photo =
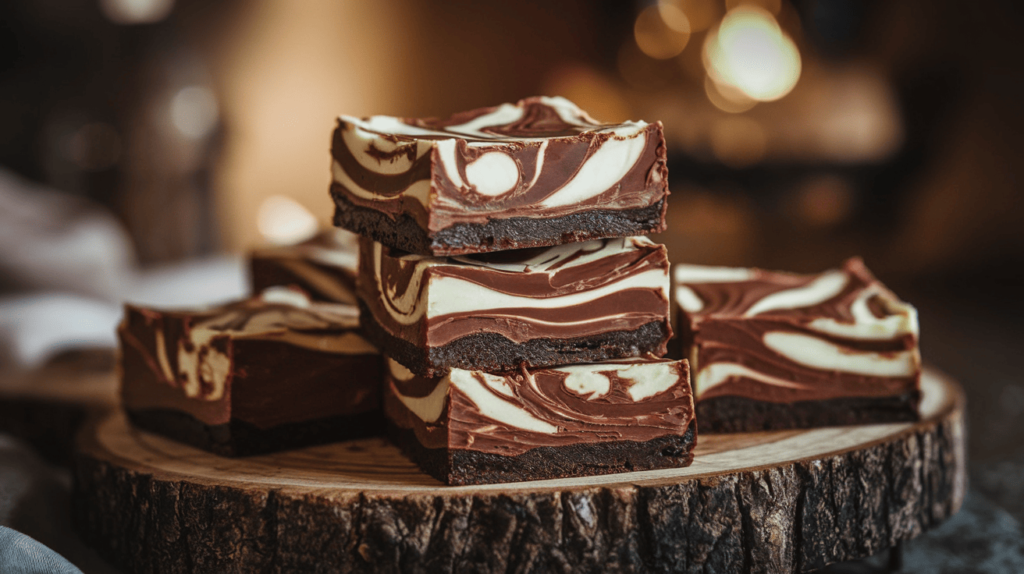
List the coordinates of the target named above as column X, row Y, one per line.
column 405, row 234
column 458, row 467
column 741, row 414
column 239, row 438
column 494, row 353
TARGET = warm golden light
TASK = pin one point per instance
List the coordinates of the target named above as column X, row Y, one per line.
column 662, row 31
column 136, row 11
column 751, row 53
column 282, row 220
column 772, row 6
column 700, row 13
column 727, row 98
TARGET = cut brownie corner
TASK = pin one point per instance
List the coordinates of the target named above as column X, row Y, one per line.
column 400, row 232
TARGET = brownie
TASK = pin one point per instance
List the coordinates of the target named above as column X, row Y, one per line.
column 540, row 172
column 727, row 414
column 272, row 372
column 772, row 350
column 475, row 427
column 572, row 303
column 240, row 438
column 323, row 266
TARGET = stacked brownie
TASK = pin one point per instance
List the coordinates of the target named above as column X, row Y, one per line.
column 501, row 268
column 503, row 273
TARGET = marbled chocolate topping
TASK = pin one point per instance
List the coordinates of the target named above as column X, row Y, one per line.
column 781, row 337
column 567, row 291
column 325, row 266
column 193, row 350
column 539, row 158
column 511, row 413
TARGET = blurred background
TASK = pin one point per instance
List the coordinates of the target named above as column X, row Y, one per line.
column 147, row 144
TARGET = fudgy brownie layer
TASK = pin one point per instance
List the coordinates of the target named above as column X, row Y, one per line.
column 462, row 467
column 239, row 438
column 495, row 353
column 740, row 414
column 497, row 234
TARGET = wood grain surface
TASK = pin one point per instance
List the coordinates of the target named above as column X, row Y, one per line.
column 785, row 501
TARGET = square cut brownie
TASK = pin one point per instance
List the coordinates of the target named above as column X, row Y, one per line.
column 574, row 303
column 264, row 374
column 475, row 427
column 536, row 173
column 323, row 266
column 773, row 350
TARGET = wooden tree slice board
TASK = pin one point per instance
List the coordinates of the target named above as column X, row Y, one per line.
column 783, row 501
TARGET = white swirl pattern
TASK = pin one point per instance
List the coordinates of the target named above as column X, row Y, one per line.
column 366, row 140
column 805, row 346
column 494, row 397
column 450, row 295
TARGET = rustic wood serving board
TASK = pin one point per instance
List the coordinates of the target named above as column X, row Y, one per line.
column 784, row 501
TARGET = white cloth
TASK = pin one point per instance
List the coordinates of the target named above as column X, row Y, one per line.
column 36, row 326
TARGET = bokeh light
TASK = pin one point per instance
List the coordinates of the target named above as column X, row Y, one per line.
column 727, row 98
column 751, row 53
column 282, row 220
column 136, row 11
column 194, row 111
column 662, row 31
column 701, row 14
column 773, row 6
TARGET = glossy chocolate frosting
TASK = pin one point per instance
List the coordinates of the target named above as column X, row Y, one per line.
column 539, row 158
column 268, row 360
column 511, row 413
column 567, row 291
column 781, row 337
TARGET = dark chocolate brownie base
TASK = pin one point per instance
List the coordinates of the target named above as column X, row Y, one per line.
column 497, row 234
column 740, row 414
column 462, row 467
column 494, row 353
column 239, row 438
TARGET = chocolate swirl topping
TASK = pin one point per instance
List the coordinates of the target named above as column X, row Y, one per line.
column 782, row 337
column 571, row 290
column 508, row 414
column 193, row 350
column 539, row 158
